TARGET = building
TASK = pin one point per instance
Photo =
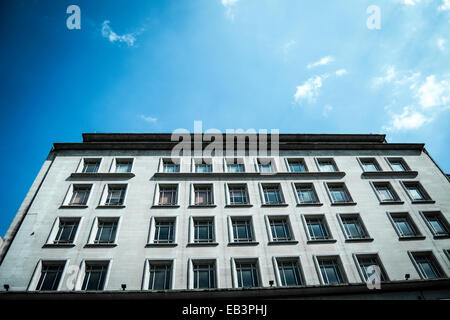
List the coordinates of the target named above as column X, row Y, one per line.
column 1, row 242
column 327, row 216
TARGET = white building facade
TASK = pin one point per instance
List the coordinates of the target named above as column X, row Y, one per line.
column 322, row 216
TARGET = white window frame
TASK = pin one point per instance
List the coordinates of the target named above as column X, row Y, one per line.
column 105, row 192
column 192, row 261
column 325, row 223
column 156, row 261
column 82, row 271
column 361, row 222
column 361, row 161
column 113, row 166
column 317, row 160
column 152, row 229
column 261, row 186
column 375, row 255
column 297, row 259
column 339, row 263
column 237, row 184
column 192, row 194
column 272, row 162
column 313, row 187
column 413, row 223
column 390, row 187
column 236, row 160
column 32, row 285
column 55, row 228
column 344, row 185
column 256, row 261
column 202, row 160
column 267, row 219
column 441, row 217
column 175, row 160
column 94, row 229
column 419, row 186
column 296, row 159
column 398, row 159
column 412, row 254
column 230, row 220
column 191, row 235
column 156, row 195
column 69, row 194
column 80, row 166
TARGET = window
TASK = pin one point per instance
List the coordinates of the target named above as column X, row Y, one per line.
column 306, row 193
column 339, row 194
column 235, row 167
column 203, row 230
column 437, row 223
column 164, row 231
column 370, row 165
column 203, row 166
column 170, row 166
column 330, row 270
column 80, row 195
column 204, row 275
column 317, row 228
column 385, row 192
column 91, row 165
column 415, row 191
column 279, row 228
column 427, row 265
column 404, row 226
column 95, row 276
column 398, row 164
column 297, row 165
column 238, row 194
column 353, row 227
column 115, row 195
column 327, row 165
column 289, row 271
column 51, row 273
column 160, row 276
column 242, row 229
column 247, row 274
column 123, row 165
column 66, row 231
column 265, row 166
column 167, row 195
column 106, row 231
column 272, row 194
column 366, row 263
column 203, row 195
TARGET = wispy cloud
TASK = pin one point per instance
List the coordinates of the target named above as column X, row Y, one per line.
column 434, row 93
column 409, row 119
column 389, row 75
column 107, row 32
column 229, row 8
column 286, row 48
column 309, row 90
column 324, row 61
column 409, row 2
column 441, row 43
column 341, row 72
column 445, row 5
column 326, row 110
column 148, row 119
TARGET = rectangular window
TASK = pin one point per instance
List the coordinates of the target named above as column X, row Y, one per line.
column 204, row 275
column 203, row 230
column 353, row 227
column 203, row 195
column 272, row 194
column 91, row 165
column 66, row 231
column 405, row 227
column 437, row 223
column 123, row 165
column 203, row 168
column 167, row 195
column 370, row 165
column 51, row 273
column 106, row 231
column 367, row 263
column 170, row 167
column 427, row 264
column 95, row 276
column 164, row 232
column 160, row 276
column 306, row 194
column 247, row 274
column 235, row 168
column 280, row 229
column 317, row 228
column 338, row 193
column 242, row 230
column 330, row 271
column 297, row 165
column 80, row 195
column 238, row 195
column 385, row 192
column 398, row 164
column 265, row 166
column 115, row 196
column 289, row 273
column 415, row 191
column 327, row 165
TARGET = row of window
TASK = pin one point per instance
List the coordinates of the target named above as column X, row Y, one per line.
column 237, row 165
column 238, row 195
column 202, row 229
column 158, row 274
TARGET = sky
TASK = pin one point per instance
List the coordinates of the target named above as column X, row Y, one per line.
column 328, row 66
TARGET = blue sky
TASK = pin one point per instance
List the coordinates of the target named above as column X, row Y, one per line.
column 155, row 66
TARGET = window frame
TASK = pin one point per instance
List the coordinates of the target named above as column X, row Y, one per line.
column 380, row 264
column 412, row 223
column 297, row 259
column 342, row 216
column 94, row 230
column 83, row 160
column 148, row 269
column 268, row 218
column 413, row 254
column 193, row 198
column 174, row 161
column 156, row 198
column 228, row 197
column 345, row 188
column 152, row 230
column 231, row 238
column 330, row 238
column 55, row 230
column 361, row 161
column 404, row 164
column 301, row 160
column 191, row 272
column 105, row 194
column 390, row 187
column 235, row 160
column 426, row 197
column 255, row 261
column 442, row 220
column 34, row 281
column 82, row 273
column 116, row 160
column 338, row 261
column 69, row 195
column 274, row 185
column 202, row 161
column 273, row 164
column 192, row 240
column 318, row 160
column 295, row 185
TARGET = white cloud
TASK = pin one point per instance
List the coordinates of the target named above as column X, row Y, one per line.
column 148, row 119
column 410, row 2
column 441, row 43
column 445, row 5
column 341, row 72
column 432, row 94
column 324, row 61
column 390, row 74
column 326, row 110
column 108, row 33
column 408, row 120
column 309, row 90
column 229, row 8
column 288, row 46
